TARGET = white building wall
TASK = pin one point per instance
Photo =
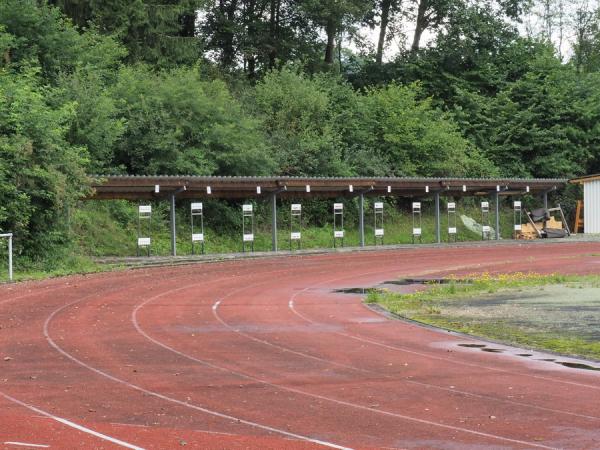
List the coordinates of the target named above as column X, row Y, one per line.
column 591, row 206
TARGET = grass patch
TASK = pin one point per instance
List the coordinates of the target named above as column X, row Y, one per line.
column 458, row 306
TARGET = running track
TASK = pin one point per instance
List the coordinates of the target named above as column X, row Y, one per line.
column 263, row 354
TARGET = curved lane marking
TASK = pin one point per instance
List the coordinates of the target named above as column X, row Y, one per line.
column 301, row 392
column 63, row 352
column 71, row 424
column 291, row 305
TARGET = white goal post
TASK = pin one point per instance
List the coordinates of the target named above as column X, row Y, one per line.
column 9, row 236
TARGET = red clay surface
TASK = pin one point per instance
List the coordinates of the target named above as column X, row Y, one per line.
column 263, row 354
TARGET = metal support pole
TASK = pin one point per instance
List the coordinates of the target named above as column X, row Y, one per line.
column 497, row 202
column 9, row 237
column 545, row 200
column 274, row 222
column 10, row 261
column 361, row 219
column 173, row 231
column 438, row 233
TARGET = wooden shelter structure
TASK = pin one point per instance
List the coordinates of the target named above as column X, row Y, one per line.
column 171, row 188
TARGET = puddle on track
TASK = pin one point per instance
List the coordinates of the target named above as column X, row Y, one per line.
column 570, row 365
column 577, row 366
column 358, row 290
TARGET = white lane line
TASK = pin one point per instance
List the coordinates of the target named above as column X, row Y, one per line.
column 72, row 424
column 452, row 391
column 24, row 444
column 345, row 403
column 59, row 349
column 292, row 307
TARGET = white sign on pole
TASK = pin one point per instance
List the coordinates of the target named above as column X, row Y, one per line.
column 249, row 237
column 142, row 242
column 295, row 235
column 378, row 232
column 426, row 188
column 351, row 188
column 486, row 228
column 378, row 205
column 416, row 206
column 338, row 206
column 156, row 188
column 451, row 230
column 196, row 206
column 517, row 205
column 518, row 227
column 308, row 188
column 485, row 205
column 258, row 189
column 451, row 206
column 145, row 209
column 416, row 231
column 389, row 189
column 527, row 189
column 208, row 190
column 247, row 208
column 198, row 237
column 464, row 188
column 497, row 188
column 338, row 234
column 296, row 207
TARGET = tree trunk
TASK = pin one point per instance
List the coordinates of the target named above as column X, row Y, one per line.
column 385, row 18
column 252, row 37
column 420, row 25
column 273, row 23
column 329, row 50
column 228, row 37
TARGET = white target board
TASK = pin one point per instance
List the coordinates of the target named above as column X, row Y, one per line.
column 145, row 209
column 338, row 206
column 378, row 232
column 416, row 206
column 451, row 230
column 416, row 232
column 248, row 237
column 295, row 235
column 247, row 208
column 451, row 206
column 338, row 234
column 296, row 207
column 485, row 205
column 143, row 242
column 196, row 206
column 378, row 205
column 198, row 237
column 517, row 205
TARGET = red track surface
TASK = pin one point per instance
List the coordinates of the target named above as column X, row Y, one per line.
column 262, row 354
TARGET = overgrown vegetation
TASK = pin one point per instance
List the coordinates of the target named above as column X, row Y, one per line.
column 432, row 305
column 273, row 87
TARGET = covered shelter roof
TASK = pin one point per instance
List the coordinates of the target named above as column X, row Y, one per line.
column 586, row 179
column 138, row 187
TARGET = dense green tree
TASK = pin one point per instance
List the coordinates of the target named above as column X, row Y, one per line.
column 545, row 124
column 413, row 137
column 162, row 33
column 41, row 174
column 177, row 123
column 299, row 120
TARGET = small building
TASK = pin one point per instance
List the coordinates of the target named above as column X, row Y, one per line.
column 591, row 202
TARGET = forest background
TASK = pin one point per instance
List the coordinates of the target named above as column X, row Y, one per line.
column 469, row 88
